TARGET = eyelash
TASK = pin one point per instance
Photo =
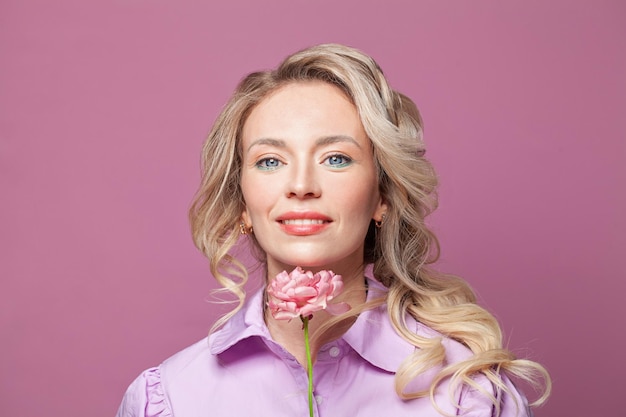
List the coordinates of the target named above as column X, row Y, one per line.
column 346, row 160
column 261, row 163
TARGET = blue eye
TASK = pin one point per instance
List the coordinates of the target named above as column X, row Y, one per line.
column 268, row 163
column 338, row 160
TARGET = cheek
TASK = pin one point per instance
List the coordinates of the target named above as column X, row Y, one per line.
column 362, row 196
column 247, row 191
column 256, row 196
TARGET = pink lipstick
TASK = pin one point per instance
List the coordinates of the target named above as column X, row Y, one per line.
column 303, row 223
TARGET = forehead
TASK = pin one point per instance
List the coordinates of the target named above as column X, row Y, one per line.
column 312, row 106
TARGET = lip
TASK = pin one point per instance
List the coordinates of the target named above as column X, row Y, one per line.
column 303, row 223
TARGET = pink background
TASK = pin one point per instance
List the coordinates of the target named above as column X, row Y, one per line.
column 103, row 109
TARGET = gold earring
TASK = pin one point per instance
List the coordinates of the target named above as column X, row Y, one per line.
column 245, row 230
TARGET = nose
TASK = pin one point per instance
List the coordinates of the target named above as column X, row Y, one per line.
column 304, row 182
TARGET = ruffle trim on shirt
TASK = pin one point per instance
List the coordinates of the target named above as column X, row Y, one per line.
column 156, row 402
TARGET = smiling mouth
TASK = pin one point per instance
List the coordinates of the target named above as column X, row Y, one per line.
column 302, row 222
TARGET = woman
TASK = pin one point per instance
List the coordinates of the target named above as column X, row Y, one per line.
column 320, row 164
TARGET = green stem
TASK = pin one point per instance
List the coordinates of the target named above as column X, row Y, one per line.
column 309, row 362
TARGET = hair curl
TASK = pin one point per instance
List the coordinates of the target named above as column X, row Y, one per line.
column 401, row 250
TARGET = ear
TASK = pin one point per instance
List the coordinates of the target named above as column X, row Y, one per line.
column 245, row 218
column 381, row 210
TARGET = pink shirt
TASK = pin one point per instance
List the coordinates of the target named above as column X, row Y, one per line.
column 241, row 371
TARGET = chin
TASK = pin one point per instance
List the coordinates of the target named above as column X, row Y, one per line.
column 306, row 262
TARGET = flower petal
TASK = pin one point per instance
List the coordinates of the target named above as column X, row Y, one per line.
column 301, row 293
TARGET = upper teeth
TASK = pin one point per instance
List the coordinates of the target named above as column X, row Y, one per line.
column 303, row 221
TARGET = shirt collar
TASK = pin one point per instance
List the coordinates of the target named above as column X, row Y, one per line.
column 246, row 323
column 371, row 336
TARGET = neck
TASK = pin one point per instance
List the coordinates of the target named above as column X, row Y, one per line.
column 290, row 334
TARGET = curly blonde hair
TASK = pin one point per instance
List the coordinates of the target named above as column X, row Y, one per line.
column 401, row 250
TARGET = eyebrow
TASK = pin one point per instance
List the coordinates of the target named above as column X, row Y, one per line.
column 267, row 141
column 325, row 140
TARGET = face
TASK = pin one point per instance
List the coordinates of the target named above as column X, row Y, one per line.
column 308, row 179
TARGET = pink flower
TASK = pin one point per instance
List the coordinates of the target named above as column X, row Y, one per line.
column 302, row 293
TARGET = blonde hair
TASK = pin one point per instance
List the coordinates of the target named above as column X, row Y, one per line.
column 401, row 250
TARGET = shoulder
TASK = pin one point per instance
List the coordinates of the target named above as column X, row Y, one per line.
column 186, row 360
column 149, row 396
column 145, row 397
column 477, row 398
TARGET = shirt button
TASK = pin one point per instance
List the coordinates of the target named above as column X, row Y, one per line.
column 319, row 399
column 334, row 352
